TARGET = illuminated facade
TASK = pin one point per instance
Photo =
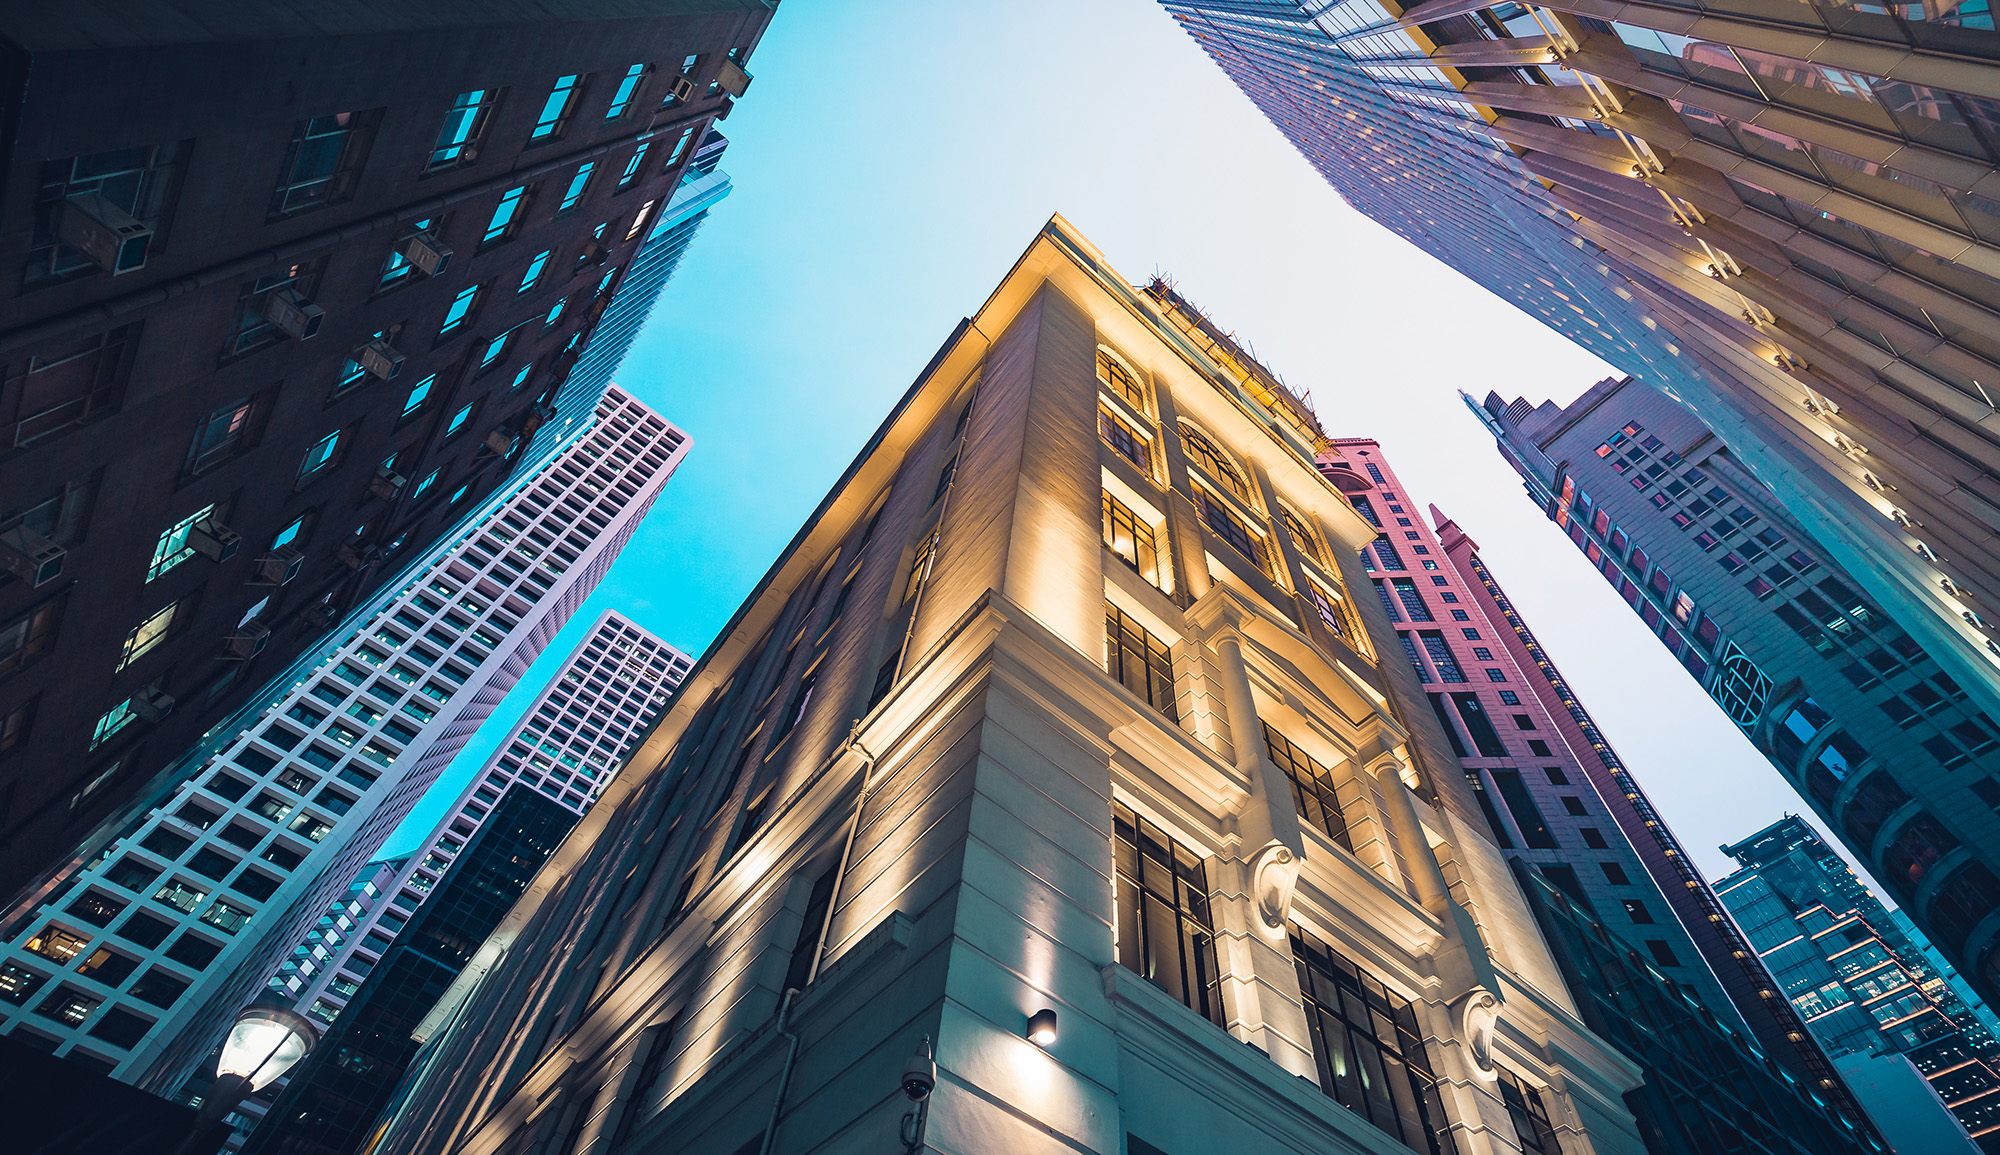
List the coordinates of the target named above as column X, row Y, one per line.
column 1784, row 216
column 1892, row 750
column 1052, row 747
column 1860, row 985
column 136, row 963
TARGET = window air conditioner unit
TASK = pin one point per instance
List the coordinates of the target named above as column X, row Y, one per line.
column 278, row 567
column 114, row 239
column 30, row 556
column 386, row 483
column 733, row 79
column 594, row 253
column 354, row 557
column 214, row 540
column 500, row 441
column 596, row 311
column 152, row 705
column 682, row 90
column 380, row 358
column 245, row 641
column 289, row 310
column 320, row 615
column 427, row 253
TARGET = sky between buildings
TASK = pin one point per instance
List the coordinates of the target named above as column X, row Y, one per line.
column 892, row 159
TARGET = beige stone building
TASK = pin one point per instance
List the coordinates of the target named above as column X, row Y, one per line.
column 1062, row 689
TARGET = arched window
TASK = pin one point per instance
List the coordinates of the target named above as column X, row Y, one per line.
column 1115, row 377
column 1203, row 453
column 1302, row 536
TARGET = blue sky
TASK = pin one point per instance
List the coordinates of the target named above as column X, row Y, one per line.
column 890, row 162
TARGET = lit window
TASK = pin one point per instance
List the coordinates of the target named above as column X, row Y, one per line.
column 289, row 534
column 115, row 719
column 1131, row 538
column 605, row 281
column 424, row 486
column 320, row 455
column 1119, row 380
column 577, row 185
column 461, row 308
column 555, row 314
column 507, row 216
column 458, row 138
column 628, row 86
column 639, row 221
column 172, row 549
column 680, row 147
column 458, row 420
column 418, row 395
column 556, row 109
column 398, row 268
column 1164, row 932
column 1123, row 438
column 631, row 172
column 1139, row 661
column 1203, row 453
column 147, row 635
column 533, row 276
column 496, row 348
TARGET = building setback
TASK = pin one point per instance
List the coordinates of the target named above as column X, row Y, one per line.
column 1786, row 217
column 1891, row 750
column 136, row 962
column 267, row 340
column 332, row 1097
column 1552, row 796
column 1860, row 984
column 982, row 775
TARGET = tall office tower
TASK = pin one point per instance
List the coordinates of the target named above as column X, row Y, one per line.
column 266, row 340
column 1784, row 216
column 1047, row 768
column 333, row 1096
column 1553, row 796
column 1860, row 984
column 1890, row 748
column 136, row 962
column 584, row 723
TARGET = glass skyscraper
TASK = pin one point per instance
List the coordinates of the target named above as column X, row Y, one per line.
column 1783, row 216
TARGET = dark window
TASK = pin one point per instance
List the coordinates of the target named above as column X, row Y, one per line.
column 1443, row 715
column 1385, row 551
column 808, row 944
column 1122, row 438
column 1557, row 775
column 159, row 988
column 1531, row 1117
column 1441, row 656
column 1915, row 849
column 139, row 182
column 70, row 384
column 1965, row 899
column 1615, row 874
column 1480, row 792
column 1592, row 837
column 1140, row 661
column 324, row 161
column 194, row 951
column 1874, row 799
column 1230, row 528
column 252, row 326
column 1369, row 1047
column 1388, row 605
column 1410, row 648
column 1527, row 816
column 96, row 908
column 145, row 929
column 1637, row 910
column 120, row 1028
column 1412, row 599
column 1574, row 805
column 1312, row 787
column 1164, row 932
column 1479, row 726
column 29, row 636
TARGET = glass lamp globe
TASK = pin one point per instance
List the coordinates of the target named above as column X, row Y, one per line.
column 264, row 1043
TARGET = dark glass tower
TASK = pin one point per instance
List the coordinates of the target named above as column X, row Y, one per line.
column 331, row 1102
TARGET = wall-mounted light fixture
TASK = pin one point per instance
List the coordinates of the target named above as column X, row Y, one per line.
column 1042, row 1028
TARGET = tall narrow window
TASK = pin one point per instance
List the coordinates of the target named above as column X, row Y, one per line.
column 809, row 942
column 1230, row 528
column 1493, row 823
column 1412, row 599
column 1527, row 816
column 1385, row 551
column 1164, row 930
column 1122, row 437
column 507, row 216
column 628, row 87
column 633, row 164
column 533, row 275
column 1388, row 603
column 460, row 308
column 172, row 549
column 1484, row 736
column 1441, row 655
column 464, row 122
column 147, row 635
column 1131, row 539
column 577, row 185
column 1312, row 787
column 1302, row 538
column 1119, row 380
column 1531, row 1117
column 556, row 109
column 1139, row 661
column 1369, row 1047
column 323, row 164
column 319, row 456
column 1417, row 663
column 920, row 564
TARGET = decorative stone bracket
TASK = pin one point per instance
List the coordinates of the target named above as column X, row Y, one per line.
column 1477, row 1014
column 1274, row 875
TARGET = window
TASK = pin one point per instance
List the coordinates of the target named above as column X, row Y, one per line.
column 1574, row 805
column 1412, row 599
column 424, row 486
column 172, row 549
column 577, row 185
column 680, row 146
column 1385, row 551
column 221, row 435
column 147, row 635
column 507, row 217
column 533, row 276
column 556, row 109
column 141, row 181
column 319, row 456
column 1410, row 649
column 1530, row 1116
column 1230, row 528
column 1131, row 539
column 1637, row 910
column 630, row 176
column 497, row 348
column 1481, row 727
column 1302, row 538
column 1202, row 452
column 1139, row 661
column 324, row 161
column 1312, row 787
column 461, row 308
column 806, row 949
column 1447, row 664
column 1164, row 932
column 628, row 87
column 252, row 328
column 1118, row 380
column 56, row 944
column 1129, row 443
column 1369, row 1047
column 464, row 122
column 419, row 394
column 920, row 565
column 555, row 312
column 638, row 223
column 1527, row 815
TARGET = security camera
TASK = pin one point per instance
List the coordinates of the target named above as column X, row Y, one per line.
column 919, row 1077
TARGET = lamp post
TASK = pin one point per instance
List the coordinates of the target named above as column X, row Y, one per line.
column 267, row 1040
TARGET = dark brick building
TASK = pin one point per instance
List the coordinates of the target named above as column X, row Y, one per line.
column 282, row 295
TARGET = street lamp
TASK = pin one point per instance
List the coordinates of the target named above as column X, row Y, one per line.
column 267, row 1040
